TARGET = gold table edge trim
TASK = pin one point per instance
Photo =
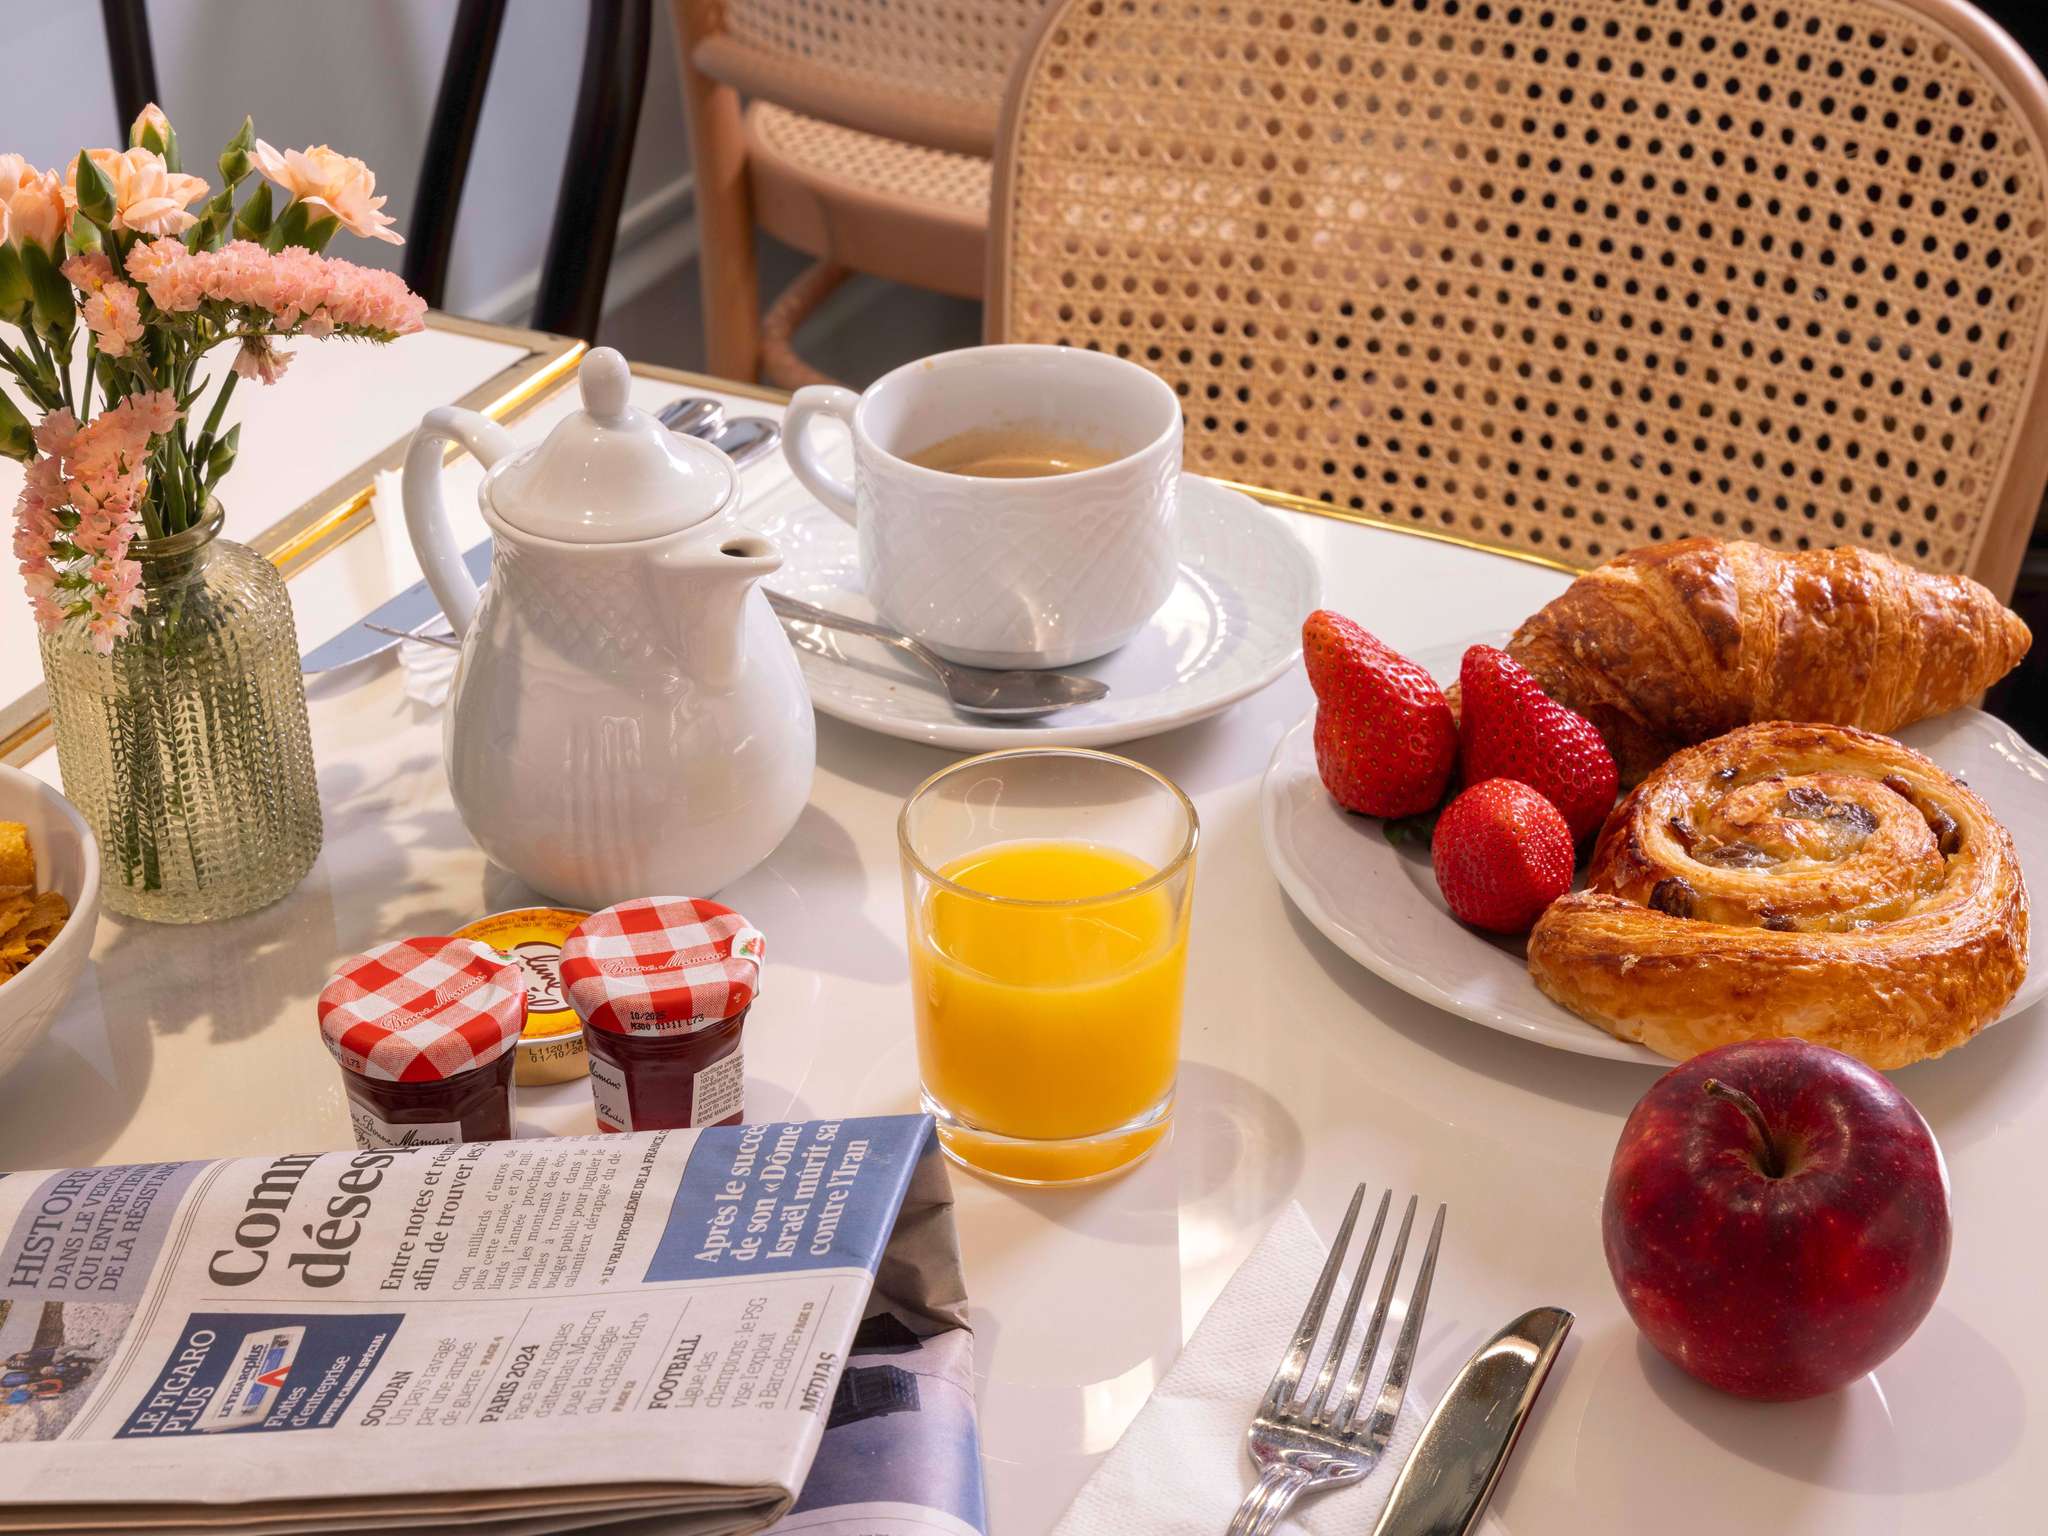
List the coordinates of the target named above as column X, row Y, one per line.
column 332, row 516
column 341, row 511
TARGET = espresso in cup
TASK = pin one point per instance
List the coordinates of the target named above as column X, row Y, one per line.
column 1009, row 453
column 1016, row 506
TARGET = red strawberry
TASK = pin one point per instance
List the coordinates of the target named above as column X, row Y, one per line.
column 1385, row 737
column 1510, row 729
column 1502, row 854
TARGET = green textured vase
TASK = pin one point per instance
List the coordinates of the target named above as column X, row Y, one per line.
column 187, row 749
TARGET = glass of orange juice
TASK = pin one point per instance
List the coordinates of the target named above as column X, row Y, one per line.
column 1046, row 896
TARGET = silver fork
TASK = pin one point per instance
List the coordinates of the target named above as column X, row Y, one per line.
column 1307, row 1444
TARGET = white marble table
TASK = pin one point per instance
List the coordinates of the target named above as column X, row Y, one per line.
column 1303, row 1074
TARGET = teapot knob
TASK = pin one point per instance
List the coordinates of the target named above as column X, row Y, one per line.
column 605, row 381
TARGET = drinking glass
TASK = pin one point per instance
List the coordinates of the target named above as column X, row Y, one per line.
column 1046, row 898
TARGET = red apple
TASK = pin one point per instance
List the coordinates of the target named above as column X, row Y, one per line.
column 1776, row 1218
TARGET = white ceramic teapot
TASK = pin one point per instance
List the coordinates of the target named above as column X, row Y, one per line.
column 626, row 717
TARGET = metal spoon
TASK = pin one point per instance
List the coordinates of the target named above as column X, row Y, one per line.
column 692, row 415
column 1018, row 695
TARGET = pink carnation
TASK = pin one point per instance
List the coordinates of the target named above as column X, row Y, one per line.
column 259, row 359
column 89, row 271
column 79, row 503
column 113, row 314
column 57, row 429
column 174, row 277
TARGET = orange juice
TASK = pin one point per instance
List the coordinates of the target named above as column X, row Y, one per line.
column 1051, row 1023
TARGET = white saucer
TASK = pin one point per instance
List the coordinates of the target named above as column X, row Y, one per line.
column 1231, row 626
column 1379, row 903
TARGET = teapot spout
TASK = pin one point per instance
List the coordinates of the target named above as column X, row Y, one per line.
column 707, row 586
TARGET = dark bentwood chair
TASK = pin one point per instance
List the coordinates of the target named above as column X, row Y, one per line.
column 601, row 134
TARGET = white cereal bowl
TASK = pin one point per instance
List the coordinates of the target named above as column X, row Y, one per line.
column 67, row 861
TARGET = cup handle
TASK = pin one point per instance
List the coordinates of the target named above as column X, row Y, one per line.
column 818, row 400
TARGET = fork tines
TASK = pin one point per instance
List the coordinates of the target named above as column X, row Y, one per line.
column 1338, row 1415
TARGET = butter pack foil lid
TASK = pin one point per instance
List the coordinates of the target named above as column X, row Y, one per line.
column 662, row 965
column 423, row 1010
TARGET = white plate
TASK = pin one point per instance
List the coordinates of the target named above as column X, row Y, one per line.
column 1232, row 625
column 1380, row 905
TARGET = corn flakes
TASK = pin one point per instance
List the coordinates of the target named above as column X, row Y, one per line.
column 29, row 919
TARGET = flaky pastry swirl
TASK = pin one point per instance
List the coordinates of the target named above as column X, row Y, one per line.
column 1809, row 880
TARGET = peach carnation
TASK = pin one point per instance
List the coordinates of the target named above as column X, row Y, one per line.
column 32, row 210
column 325, row 178
column 149, row 197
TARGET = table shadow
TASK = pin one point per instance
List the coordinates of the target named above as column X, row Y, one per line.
column 1589, row 1082
column 1952, row 1407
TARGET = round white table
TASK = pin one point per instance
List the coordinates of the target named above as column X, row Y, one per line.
column 1302, row 1075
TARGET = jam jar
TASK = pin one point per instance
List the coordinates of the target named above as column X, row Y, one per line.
column 663, row 985
column 424, row 1030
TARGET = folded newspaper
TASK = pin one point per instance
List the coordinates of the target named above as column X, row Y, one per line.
column 675, row 1332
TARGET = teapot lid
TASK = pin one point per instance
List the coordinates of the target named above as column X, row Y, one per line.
column 610, row 473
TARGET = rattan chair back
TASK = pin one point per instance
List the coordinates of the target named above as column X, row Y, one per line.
column 1565, row 276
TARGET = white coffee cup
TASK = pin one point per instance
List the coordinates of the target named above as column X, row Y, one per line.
column 1043, row 571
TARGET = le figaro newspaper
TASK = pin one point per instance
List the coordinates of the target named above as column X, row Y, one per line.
column 672, row 1332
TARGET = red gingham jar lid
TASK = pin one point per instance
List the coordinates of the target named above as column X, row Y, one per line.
column 662, row 965
column 423, row 1010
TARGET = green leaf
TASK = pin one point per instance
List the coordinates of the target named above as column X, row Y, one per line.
column 288, row 230
column 221, row 457
column 146, row 137
column 95, row 196
column 319, row 232
column 172, row 160
column 15, row 294
column 1412, row 831
column 234, row 159
column 212, row 227
column 56, row 308
column 253, row 222
column 17, row 439
column 84, row 235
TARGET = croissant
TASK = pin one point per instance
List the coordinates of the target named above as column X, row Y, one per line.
column 1675, row 643
column 1810, row 880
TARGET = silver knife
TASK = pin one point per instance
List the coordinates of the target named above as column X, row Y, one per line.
column 744, row 438
column 1452, row 1471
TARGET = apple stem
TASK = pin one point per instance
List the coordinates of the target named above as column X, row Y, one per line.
column 1773, row 1162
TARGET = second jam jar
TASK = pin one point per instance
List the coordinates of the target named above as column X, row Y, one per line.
column 663, row 985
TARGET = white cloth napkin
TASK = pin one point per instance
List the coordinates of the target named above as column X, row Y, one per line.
column 1181, row 1468
column 429, row 669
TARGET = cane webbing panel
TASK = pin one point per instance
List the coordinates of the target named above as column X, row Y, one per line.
column 961, row 49
column 878, row 166
column 1563, row 277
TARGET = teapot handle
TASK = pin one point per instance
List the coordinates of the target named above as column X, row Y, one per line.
column 426, row 519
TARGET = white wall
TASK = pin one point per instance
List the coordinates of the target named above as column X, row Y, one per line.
column 361, row 75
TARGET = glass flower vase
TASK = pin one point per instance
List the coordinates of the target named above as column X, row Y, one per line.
column 187, row 748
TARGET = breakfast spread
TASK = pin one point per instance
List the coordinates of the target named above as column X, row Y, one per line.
column 1776, row 1219
column 1675, row 643
column 29, row 918
column 1810, row 880
column 663, row 985
column 424, row 1030
column 550, row 1048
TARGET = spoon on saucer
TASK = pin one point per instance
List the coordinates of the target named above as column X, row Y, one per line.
column 1019, row 695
